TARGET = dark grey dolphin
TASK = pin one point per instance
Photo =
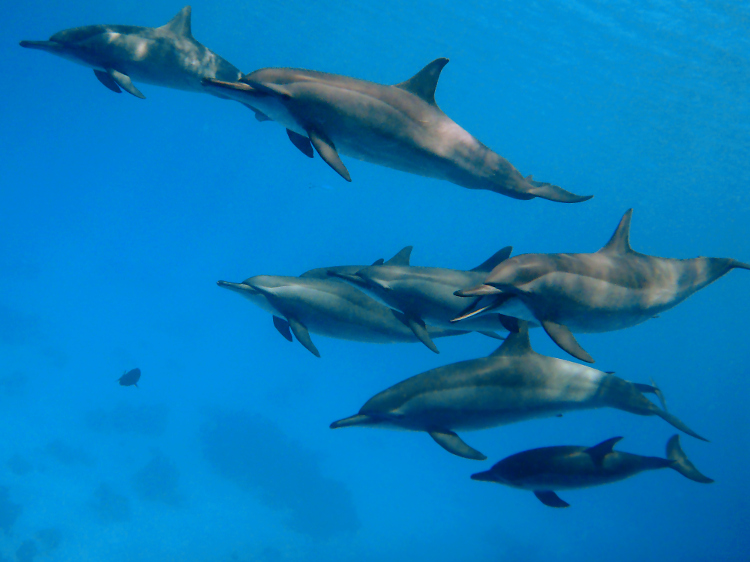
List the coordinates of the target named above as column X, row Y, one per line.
column 165, row 56
column 397, row 126
column 130, row 378
column 425, row 295
column 315, row 302
column 545, row 470
column 611, row 289
column 513, row 384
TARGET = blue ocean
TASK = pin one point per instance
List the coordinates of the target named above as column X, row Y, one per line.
column 119, row 216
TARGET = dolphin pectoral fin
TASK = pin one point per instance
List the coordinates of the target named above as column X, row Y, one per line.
column 283, row 327
column 328, row 153
column 550, row 498
column 259, row 115
column 124, row 81
column 563, row 337
column 555, row 193
column 419, row 329
column 107, row 80
column 303, row 143
column 492, row 335
column 452, row 443
column 682, row 464
column 598, row 452
column 303, row 336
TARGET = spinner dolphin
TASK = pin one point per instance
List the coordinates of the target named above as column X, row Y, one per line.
column 399, row 127
column 165, row 56
column 549, row 469
column 611, row 289
column 513, row 384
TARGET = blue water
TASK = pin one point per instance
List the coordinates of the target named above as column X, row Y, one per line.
column 119, row 215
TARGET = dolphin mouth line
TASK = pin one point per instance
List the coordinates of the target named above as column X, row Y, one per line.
column 41, row 45
column 237, row 286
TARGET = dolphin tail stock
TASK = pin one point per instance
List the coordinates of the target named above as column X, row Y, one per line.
column 554, row 192
column 682, row 464
column 357, row 419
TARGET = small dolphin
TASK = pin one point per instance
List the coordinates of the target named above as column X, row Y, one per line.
column 399, row 126
column 513, row 384
column 315, row 302
column 548, row 469
column 425, row 295
column 611, row 289
column 130, row 378
column 165, row 56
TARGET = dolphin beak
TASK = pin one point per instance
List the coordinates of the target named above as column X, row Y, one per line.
column 42, row 45
column 478, row 291
column 220, row 85
column 353, row 279
column 483, row 476
column 237, row 287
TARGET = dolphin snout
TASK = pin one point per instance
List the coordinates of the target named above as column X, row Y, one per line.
column 483, row 476
column 42, row 45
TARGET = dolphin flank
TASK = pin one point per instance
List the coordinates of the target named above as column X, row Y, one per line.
column 399, row 127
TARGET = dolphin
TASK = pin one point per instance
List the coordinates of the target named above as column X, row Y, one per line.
column 425, row 295
column 513, row 384
column 548, row 469
column 611, row 289
column 165, row 56
column 315, row 302
column 130, row 378
column 399, row 126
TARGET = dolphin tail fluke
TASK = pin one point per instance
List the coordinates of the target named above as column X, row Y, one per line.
column 452, row 443
column 563, row 337
column 555, row 193
column 358, row 419
column 682, row 464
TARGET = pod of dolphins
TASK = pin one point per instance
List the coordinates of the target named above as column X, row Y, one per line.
column 402, row 127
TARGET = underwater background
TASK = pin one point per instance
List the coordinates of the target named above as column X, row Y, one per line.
column 119, row 215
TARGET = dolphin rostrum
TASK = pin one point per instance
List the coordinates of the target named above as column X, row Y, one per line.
column 611, row 289
column 165, row 56
column 397, row 126
column 425, row 295
column 545, row 470
column 513, row 384
column 315, row 302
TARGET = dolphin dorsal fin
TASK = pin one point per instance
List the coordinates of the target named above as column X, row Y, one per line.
column 496, row 258
column 517, row 343
column 380, row 261
column 620, row 241
column 402, row 258
column 424, row 82
column 598, row 452
column 180, row 24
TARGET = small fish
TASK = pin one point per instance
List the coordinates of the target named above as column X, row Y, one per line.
column 130, row 378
